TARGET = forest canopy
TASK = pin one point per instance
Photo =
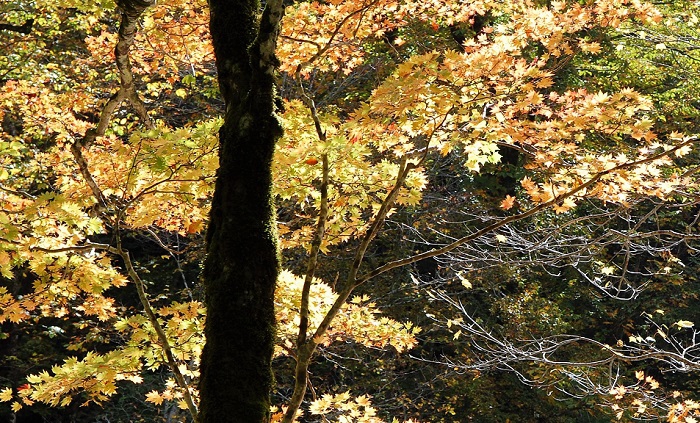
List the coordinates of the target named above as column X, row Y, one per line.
column 486, row 210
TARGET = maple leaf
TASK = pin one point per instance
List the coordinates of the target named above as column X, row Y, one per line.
column 154, row 397
column 508, row 202
column 683, row 150
column 159, row 179
column 5, row 394
column 528, row 184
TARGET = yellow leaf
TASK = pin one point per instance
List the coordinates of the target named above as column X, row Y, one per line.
column 544, row 83
column 6, row 394
column 465, row 283
column 684, row 324
column 590, row 47
column 683, row 151
column 607, row 270
column 154, row 397
column 363, row 400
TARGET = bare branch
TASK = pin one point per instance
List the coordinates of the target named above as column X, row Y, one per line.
column 517, row 217
column 492, row 351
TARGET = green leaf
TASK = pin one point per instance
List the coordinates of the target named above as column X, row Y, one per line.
column 189, row 79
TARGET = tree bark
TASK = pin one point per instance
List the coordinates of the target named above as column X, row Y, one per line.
column 242, row 264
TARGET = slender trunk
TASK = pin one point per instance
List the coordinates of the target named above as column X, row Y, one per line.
column 242, row 262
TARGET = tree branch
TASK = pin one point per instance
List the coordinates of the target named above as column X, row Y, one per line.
column 304, row 351
column 131, row 11
column 514, row 218
column 162, row 337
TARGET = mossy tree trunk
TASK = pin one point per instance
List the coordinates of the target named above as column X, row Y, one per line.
column 242, row 262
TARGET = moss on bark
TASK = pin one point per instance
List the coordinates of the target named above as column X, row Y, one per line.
column 242, row 263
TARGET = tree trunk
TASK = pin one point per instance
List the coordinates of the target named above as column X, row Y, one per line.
column 242, row 261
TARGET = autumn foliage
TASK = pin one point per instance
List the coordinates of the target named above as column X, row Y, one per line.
column 374, row 93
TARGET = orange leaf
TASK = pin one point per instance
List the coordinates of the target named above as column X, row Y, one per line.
column 508, row 202
column 194, row 227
